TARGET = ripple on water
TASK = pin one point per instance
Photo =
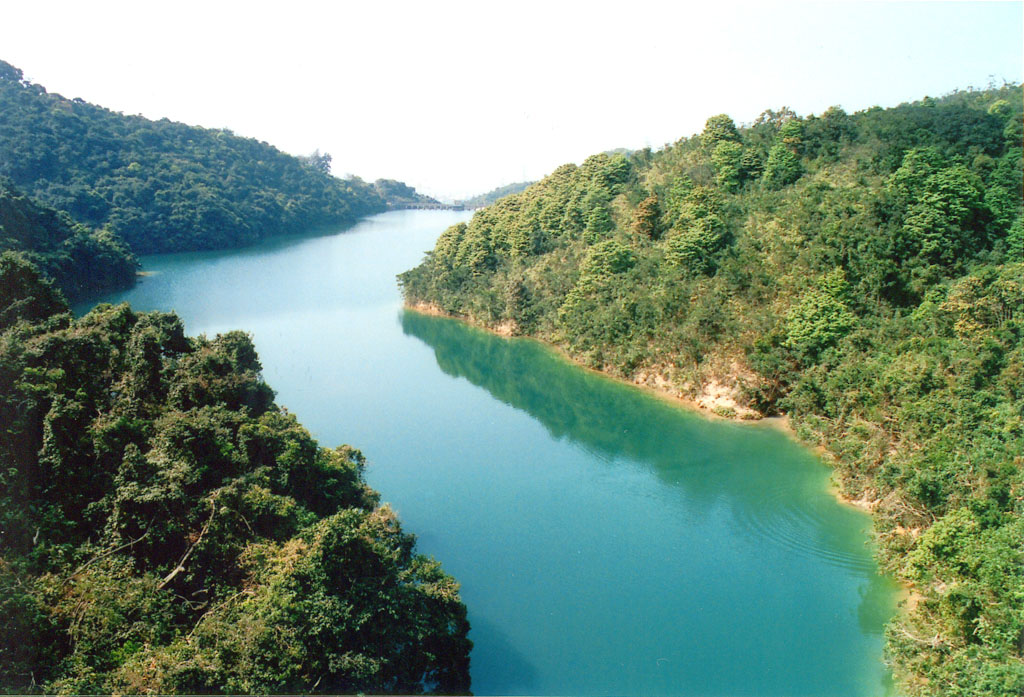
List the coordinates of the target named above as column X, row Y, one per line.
column 803, row 522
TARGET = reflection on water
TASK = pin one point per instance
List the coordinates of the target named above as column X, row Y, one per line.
column 781, row 505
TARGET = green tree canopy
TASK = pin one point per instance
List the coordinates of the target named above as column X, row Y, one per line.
column 167, row 528
column 717, row 129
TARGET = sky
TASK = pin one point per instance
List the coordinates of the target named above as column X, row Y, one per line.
column 457, row 98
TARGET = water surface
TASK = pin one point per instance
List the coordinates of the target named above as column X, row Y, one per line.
column 607, row 542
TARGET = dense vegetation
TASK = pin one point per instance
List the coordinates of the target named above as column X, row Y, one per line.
column 401, row 195
column 164, row 186
column 862, row 273
column 78, row 259
column 166, row 528
column 481, row 200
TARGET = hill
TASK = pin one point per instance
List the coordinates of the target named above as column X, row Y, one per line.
column 168, row 529
column 400, row 195
column 79, row 260
column 164, row 186
column 863, row 274
column 481, row 200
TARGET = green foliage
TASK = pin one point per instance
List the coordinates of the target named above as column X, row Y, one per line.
column 481, row 200
column 77, row 259
column 694, row 247
column 646, row 218
column 678, row 196
column 168, row 529
column 1015, row 239
column 1013, row 132
column 918, row 164
column 821, row 318
column 782, row 168
column 607, row 258
column 320, row 161
column 827, row 135
column 727, row 158
column 1001, row 195
column 26, row 296
column 719, row 129
column 164, row 186
column 791, row 134
column 400, row 195
column 941, row 221
column 698, row 233
column 862, row 273
column 957, row 124
column 599, row 219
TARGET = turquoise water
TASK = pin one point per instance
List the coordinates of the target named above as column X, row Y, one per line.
column 607, row 542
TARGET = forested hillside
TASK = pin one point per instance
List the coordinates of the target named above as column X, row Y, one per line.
column 400, row 195
column 164, row 186
column 165, row 527
column 78, row 259
column 481, row 200
column 862, row 273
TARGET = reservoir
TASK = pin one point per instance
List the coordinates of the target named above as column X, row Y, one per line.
column 607, row 542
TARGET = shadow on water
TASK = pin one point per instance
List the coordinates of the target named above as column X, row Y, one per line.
column 569, row 403
column 505, row 667
column 613, row 420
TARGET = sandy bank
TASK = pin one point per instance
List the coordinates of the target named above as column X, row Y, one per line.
column 714, row 399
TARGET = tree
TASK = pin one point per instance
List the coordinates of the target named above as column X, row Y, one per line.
column 164, row 186
column 782, row 168
column 646, row 218
column 945, row 221
column 908, row 182
column 676, row 198
column 25, row 296
column 694, row 247
column 821, row 318
column 791, row 134
column 727, row 158
column 168, row 529
column 598, row 215
column 9, row 72
column 717, row 129
column 320, row 162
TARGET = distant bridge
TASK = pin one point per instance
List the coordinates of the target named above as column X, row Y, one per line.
column 426, row 206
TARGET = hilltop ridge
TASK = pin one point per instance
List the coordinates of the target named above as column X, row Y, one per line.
column 163, row 186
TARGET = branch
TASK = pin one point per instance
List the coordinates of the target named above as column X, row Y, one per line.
column 115, row 550
column 180, row 566
column 227, row 601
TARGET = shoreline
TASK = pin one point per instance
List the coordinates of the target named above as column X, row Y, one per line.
column 663, row 391
column 865, row 504
column 660, row 389
column 907, row 597
column 781, row 423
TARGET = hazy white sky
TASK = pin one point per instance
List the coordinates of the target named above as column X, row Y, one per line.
column 457, row 98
